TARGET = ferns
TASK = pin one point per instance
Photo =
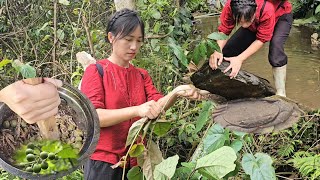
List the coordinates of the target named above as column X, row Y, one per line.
column 308, row 164
column 286, row 149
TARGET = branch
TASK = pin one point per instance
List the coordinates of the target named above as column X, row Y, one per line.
column 84, row 21
column 55, row 40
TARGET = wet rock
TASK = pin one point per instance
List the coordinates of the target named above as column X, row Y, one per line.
column 246, row 103
column 262, row 115
column 244, row 85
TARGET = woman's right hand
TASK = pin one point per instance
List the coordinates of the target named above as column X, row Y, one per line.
column 150, row 109
column 215, row 60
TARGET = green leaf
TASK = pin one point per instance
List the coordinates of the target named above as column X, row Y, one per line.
column 184, row 172
column 4, row 62
column 239, row 134
column 68, row 152
column 136, row 150
column 217, row 36
column 156, row 14
column 213, row 46
column 27, row 71
column 258, row 166
column 155, row 45
column 64, row 2
column 161, row 128
column 190, row 165
column 236, row 145
column 204, row 115
column 218, row 163
column 156, row 27
column 60, row 34
column 166, row 168
column 215, row 138
column 317, row 9
column 134, row 130
column 51, row 146
column 135, row 173
column 178, row 51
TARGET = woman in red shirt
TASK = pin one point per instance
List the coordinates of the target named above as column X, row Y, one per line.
column 261, row 21
column 123, row 95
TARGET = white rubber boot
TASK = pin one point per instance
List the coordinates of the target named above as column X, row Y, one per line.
column 279, row 76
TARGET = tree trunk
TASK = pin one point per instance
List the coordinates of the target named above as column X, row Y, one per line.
column 120, row 4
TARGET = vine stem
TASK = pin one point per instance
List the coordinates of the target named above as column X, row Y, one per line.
column 148, row 124
column 134, row 140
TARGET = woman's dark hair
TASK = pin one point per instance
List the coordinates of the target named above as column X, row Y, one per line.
column 124, row 22
column 243, row 8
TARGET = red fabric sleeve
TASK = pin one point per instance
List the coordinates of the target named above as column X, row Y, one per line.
column 151, row 91
column 266, row 25
column 92, row 86
column 227, row 22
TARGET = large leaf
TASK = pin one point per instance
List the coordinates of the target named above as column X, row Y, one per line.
column 199, row 52
column 258, row 166
column 135, row 173
column 204, row 115
column 317, row 9
column 161, row 128
column 152, row 157
column 155, row 14
column 218, row 163
column 215, row 138
column 134, row 130
column 236, row 145
column 68, row 152
column 155, row 153
column 217, row 36
column 213, row 46
column 27, row 71
column 166, row 168
column 178, row 52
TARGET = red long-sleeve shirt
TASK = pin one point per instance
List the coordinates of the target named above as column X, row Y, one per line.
column 285, row 8
column 263, row 25
column 122, row 87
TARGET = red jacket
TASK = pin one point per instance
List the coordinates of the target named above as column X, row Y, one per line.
column 122, row 87
column 263, row 25
column 282, row 7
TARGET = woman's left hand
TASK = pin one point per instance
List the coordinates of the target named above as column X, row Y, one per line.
column 235, row 65
column 190, row 92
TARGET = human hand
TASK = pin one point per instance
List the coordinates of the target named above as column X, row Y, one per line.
column 190, row 92
column 33, row 102
column 150, row 109
column 215, row 58
column 235, row 65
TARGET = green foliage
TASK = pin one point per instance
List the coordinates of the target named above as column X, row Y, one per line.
column 218, row 163
column 307, row 163
column 204, row 115
column 46, row 157
column 135, row 173
column 134, row 131
column 215, row 138
column 25, row 70
column 258, row 166
column 166, row 169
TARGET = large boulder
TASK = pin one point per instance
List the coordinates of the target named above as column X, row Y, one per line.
column 247, row 102
column 244, row 85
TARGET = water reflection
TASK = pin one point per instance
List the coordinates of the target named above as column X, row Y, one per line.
column 303, row 78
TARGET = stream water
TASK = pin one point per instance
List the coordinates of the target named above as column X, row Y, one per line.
column 303, row 71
